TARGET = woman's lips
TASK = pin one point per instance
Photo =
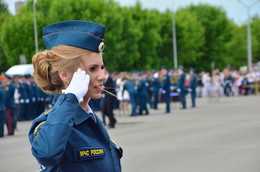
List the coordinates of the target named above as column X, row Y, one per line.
column 98, row 88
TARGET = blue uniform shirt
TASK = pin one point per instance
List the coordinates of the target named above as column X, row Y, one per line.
column 66, row 138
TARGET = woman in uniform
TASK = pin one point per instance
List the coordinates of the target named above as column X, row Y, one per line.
column 69, row 136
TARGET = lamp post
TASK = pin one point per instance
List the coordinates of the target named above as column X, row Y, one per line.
column 35, row 27
column 175, row 61
column 249, row 42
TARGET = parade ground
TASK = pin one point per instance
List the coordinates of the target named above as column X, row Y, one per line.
column 217, row 136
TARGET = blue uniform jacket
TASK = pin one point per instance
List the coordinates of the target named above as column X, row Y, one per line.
column 156, row 85
column 9, row 95
column 181, row 83
column 142, row 88
column 130, row 87
column 66, row 138
column 193, row 82
column 166, row 83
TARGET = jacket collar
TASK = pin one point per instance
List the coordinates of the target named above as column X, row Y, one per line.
column 81, row 116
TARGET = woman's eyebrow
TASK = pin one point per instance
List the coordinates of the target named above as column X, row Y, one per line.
column 92, row 65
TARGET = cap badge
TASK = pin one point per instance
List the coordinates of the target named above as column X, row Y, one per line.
column 101, row 47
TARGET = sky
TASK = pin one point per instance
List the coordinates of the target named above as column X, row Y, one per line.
column 234, row 9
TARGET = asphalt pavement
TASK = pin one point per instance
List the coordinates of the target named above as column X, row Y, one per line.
column 216, row 136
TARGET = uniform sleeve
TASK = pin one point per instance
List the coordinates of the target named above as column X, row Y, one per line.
column 49, row 138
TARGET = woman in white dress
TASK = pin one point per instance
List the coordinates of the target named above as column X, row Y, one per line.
column 123, row 97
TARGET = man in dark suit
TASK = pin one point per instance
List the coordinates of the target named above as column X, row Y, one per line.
column 109, row 100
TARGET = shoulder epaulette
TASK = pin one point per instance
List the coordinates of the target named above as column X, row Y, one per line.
column 41, row 121
column 36, row 130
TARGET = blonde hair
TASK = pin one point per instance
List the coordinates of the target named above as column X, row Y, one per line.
column 48, row 63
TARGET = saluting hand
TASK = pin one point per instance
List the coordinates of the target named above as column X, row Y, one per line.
column 79, row 84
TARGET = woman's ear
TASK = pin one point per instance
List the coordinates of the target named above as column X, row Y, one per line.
column 64, row 76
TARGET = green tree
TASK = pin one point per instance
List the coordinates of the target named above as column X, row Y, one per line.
column 190, row 39
column 18, row 37
column 20, row 27
column 255, row 28
column 122, row 41
column 3, row 15
column 165, row 48
column 137, row 38
column 217, row 34
column 237, row 47
column 148, row 44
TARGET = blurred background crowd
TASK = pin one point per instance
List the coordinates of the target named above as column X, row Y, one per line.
column 136, row 93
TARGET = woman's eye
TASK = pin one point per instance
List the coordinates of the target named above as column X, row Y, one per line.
column 92, row 69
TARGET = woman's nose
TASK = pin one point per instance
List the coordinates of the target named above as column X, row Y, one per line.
column 102, row 75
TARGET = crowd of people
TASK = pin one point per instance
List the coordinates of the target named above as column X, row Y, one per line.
column 144, row 90
column 229, row 83
column 21, row 99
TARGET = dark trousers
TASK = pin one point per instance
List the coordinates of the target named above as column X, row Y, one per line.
column 183, row 100
column 102, row 110
column 155, row 101
column 193, row 97
column 10, row 122
column 143, row 106
column 107, row 109
column 21, row 116
column 2, row 122
column 167, row 99
column 133, row 98
column 27, row 112
column 16, row 115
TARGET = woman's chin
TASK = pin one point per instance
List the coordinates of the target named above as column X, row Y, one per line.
column 96, row 96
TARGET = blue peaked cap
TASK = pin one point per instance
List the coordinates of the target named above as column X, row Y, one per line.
column 77, row 33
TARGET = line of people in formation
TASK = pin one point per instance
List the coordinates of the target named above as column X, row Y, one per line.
column 21, row 99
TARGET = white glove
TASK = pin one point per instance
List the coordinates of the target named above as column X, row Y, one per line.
column 163, row 91
column 190, row 90
column 178, row 90
column 79, row 84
